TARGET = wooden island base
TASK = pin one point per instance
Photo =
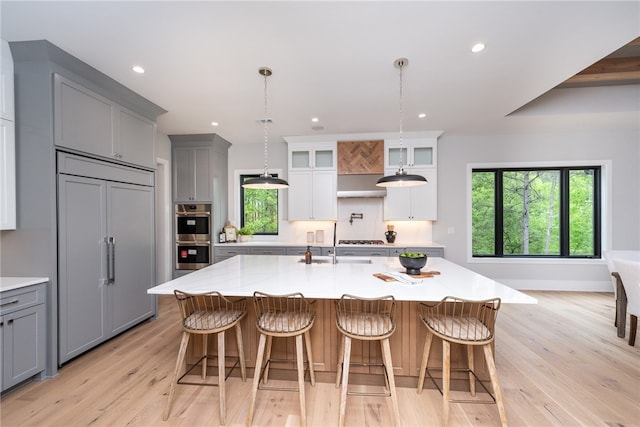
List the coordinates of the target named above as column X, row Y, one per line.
column 406, row 350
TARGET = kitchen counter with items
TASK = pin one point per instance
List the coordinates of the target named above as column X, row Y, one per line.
column 325, row 282
column 244, row 274
column 223, row 251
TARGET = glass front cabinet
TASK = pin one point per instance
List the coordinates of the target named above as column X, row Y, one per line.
column 419, row 203
column 312, row 181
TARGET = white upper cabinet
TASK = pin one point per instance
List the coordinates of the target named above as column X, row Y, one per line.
column 419, row 203
column 312, row 156
column 7, row 175
column 7, row 109
column 419, row 153
column 7, row 143
column 312, row 181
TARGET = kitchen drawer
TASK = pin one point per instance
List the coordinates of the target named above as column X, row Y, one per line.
column 300, row 250
column 342, row 251
column 268, row 251
column 436, row 252
column 18, row 299
column 228, row 252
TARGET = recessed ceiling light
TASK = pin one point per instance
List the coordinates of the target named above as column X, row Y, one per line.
column 138, row 69
column 422, row 115
column 315, row 119
column 214, row 123
column 478, row 47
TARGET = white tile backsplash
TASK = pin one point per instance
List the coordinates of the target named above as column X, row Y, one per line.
column 370, row 227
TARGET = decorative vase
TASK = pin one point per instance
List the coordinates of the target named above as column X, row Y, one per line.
column 391, row 236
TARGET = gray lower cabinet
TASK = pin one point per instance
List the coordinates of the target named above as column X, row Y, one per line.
column 220, row 253
column 106, row 251
column 22, row 334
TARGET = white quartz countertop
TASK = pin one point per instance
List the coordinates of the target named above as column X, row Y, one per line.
column 328, row 244
column 10, row 283
column 273, row 274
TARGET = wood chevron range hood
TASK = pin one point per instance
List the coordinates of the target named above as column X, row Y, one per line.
column 360, row 165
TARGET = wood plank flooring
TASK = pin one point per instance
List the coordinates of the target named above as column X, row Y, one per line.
column 560, row 363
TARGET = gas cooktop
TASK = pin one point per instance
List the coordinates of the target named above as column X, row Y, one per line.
column 360, row 242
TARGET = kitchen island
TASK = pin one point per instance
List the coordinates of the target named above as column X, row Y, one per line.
column 324, row 281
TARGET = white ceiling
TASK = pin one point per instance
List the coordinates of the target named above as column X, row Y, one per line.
column 334, row 60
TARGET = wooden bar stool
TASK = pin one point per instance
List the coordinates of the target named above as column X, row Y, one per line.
column 288, row 315
column 369, row 320
column 471, row 323
column 206, row 314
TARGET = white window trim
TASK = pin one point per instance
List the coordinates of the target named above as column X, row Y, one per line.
column 236, row 200
column 606, row 186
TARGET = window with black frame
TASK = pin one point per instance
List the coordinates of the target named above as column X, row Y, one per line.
column 536, row 212
column 258, row 208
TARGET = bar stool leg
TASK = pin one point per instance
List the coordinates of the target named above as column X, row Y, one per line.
column 488, row 355
column 472, row 379
column 300, row 366
column 265, row 377
column 340, row 361
column 345, row 379
column 240, row 345
column 179, row 365
column 256, row 378
column 312, row 375
column 446, row 380
column 205, row 343
column 425, row 360
column 388, row 364
column 221, row 379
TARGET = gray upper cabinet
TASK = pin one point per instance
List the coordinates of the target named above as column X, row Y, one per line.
column 192, row 179
column 93, row 124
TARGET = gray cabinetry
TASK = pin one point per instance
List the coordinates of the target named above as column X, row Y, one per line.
column 221, row 253
column 106, row 251
column 268, row 250
column 342, row 251
column 22, row 333
column 192, row 178
column 90, row 123
column 49, row 120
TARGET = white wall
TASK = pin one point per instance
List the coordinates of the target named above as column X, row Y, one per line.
column 621, row 147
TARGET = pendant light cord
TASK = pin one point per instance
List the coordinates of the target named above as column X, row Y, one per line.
column 265, row 120
column 401, row 66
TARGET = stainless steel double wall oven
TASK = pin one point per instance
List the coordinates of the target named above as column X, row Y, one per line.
column 193, row 236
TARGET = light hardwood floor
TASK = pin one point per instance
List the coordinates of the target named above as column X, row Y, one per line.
column 560, row 363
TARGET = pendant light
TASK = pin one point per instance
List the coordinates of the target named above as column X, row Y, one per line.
column 265, row 181
column 401, row 178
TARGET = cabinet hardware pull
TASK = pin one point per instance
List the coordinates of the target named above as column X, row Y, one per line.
column 13, row 301
column 112, row 260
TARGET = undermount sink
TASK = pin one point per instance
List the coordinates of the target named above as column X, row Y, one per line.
column 339, row 260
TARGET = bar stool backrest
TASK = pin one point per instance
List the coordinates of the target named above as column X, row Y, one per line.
column 208, row 312
column 462, row 321
column 283, row 314
column 365, row 317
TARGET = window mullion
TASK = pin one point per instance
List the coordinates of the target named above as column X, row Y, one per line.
column 499, row 218
column 564, row 212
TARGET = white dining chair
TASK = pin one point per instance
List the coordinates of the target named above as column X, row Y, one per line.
column 629, row 272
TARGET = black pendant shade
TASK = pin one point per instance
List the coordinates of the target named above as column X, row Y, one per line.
column 401, row 179
column 265, row 182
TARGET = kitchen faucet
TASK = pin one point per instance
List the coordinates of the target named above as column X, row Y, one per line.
column 334, row 260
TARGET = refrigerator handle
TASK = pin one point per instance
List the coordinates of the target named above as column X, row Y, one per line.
column 111, row 261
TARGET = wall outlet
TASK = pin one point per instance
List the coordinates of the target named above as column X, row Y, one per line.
column 451, row 230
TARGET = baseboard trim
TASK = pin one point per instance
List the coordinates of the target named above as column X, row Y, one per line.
column 559, row 285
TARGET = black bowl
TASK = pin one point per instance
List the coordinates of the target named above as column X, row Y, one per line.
column 413, row 264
